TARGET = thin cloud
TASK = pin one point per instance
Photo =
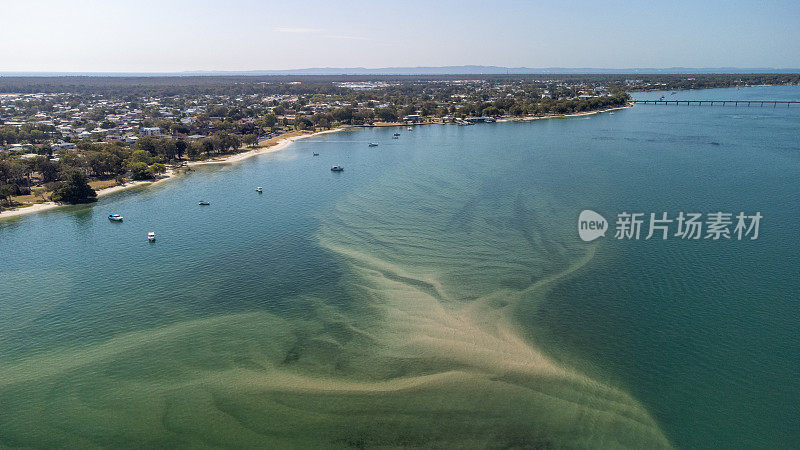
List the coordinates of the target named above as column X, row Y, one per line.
column 295, row 30
column 341, row 36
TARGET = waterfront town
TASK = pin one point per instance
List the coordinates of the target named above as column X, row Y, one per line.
column 107, row 131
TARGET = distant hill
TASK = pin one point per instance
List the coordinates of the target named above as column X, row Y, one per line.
column 443, row 70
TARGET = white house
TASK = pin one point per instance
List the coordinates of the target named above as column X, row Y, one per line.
column 150, row 131
column 62, row 146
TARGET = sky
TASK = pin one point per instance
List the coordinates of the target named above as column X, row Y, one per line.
column 232, row 35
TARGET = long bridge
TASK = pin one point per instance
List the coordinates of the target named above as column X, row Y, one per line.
column 773, row 103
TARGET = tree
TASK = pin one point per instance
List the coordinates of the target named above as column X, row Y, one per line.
column 74, row 190
column 140, row 171
column 303, row 123
column 269, row 120
column 166, row 149
column 224, row 141
column 490, row 111
column 147, row 144
column 250, row 139
column 386, row 114
column 344, row 115
column 6, row 191
column 180, row 147
column 157, row 168
column 141, row 156
column 195, row 149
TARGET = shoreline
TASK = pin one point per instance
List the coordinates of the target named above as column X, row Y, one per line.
column 171, row 173
column 279, row 145
column 563, row 116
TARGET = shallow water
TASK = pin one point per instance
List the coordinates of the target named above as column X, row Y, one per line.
column 435, row 292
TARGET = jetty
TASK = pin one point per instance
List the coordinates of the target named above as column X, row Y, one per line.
column 773, row 103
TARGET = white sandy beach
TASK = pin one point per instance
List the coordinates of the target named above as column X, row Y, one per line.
column 238, row 157
column 171, row 173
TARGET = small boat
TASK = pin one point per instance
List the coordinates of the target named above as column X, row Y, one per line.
column 151, row 236
column 397, row 134
column 337, row 168
column 395, row 137
column 203, row 203
column 259, row 189
column 115, row 217
column 373, row 144
column 409, row 128
column 611, row 113
column 315, row 154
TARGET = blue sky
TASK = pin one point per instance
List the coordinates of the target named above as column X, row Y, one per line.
column 156, row 36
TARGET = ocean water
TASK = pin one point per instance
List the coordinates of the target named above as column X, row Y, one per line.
column 434, row 293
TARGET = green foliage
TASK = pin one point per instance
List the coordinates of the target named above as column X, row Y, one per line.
column 140, row 171
column 269, row 120
column 156, row 168
column 250, row 139
column 140, row 156
column 386, row 114
column 490, row 111
column 74, row 189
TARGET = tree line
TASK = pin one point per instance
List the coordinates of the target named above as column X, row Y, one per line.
column 66, row 175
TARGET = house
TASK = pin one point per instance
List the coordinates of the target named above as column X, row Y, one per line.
column 61, row 145
column 150, row 131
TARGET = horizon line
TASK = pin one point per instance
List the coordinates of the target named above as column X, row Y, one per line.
column 417, row 70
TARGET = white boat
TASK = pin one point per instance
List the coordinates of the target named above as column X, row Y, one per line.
column 337, row 168
column 373, row 144
column 115, row 217
column 203, row 203
column 611, row 113
column 259, row 189
column 409, row 128
column 151, row 236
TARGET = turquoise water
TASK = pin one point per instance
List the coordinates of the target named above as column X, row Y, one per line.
column 435, row 292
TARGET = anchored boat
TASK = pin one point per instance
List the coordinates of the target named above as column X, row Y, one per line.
column 115, row 217
column 151, row 236
column 337, row 168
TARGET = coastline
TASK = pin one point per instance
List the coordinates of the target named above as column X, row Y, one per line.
column 39, row 207
column 171, row 173
column 261, row 149
column 563, row 116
